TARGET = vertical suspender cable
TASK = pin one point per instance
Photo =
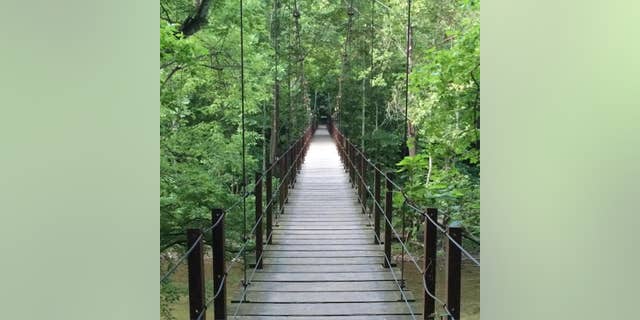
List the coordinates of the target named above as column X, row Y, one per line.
column 289, row 113
column 275, row 120
column 373, row 12
column 345, row 62
column 406, row 115
column 244, row 163
column 364, row 95
column 406, row 78
column 373, row 37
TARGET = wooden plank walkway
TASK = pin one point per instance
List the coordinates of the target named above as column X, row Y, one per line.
column 323, row 263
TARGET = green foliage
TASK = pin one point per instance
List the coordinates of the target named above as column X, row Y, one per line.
column 201, row 144
column 200, row 122
column 446, row 112
column 169, row 295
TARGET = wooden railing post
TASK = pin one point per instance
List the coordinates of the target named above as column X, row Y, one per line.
column 430, row 247
column 363, row 184
column 258, row 197
column 376, row 207
column 356, row 174
column 269, row 208
column 388, row 221
column 196, row 274
column 294, row 164
column 294, row 152
column 454, row 270
column 344, row 140
column 219, row 283
column 287, row 178
column 352, row 158
column 299, row 154
column 280, row 189
column 349, row 162
column 347, row 159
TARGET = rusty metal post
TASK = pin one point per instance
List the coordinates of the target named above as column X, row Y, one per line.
column 363, row 184
column 294, row 151
column 347, row 158
column 196, row 274
column 356, row 172
column 285, row 178
column 258, row 197
column 454, row 270
column 269, row 208
column 217, row 246
column 299, row 154
column 430, row 247
column 294, row 164
column 301, row 145
column 280, row 192
column 376, row 207
column 352, row 162
column 295, row 160
column 387, row 226
column 358, row 175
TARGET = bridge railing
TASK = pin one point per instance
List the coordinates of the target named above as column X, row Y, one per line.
column 269, row 208
column 369, row 179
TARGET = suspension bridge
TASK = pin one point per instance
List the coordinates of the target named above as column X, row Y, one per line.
column 327, row 249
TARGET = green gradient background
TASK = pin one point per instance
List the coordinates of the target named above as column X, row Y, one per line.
column 79, row 163
column 79, row 159
column 560, row 139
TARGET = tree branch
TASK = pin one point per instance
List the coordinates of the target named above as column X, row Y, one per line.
column 167, row 17
column 170, row 75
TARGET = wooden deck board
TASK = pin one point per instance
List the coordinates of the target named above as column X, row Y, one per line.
column 325, row 268
column 324, row 297
column 323, row 247
column 323, row 286
column 326, row 260
column 323, row 263
column 325, row 317
column 323, row 309
column 318, row 276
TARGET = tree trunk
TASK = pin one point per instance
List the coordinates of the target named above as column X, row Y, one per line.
column 275, row 115
column 197, row 20
column 302, row 98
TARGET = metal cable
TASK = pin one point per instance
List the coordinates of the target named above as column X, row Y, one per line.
column 244, row 164
column 216, row 223
column 186, row 254
column 208, row 303
column 446, row 234
column 221, row 218
column 406, row 77
column 181, row 260
column 412, row 205
column 424, row 285
column 242, row 250
column 434, row 297
column 390, row 224
column 387, row 222
column 247, row 282
column 395, row 278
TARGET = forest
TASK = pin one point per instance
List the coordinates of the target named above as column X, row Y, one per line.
column 409, row 97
